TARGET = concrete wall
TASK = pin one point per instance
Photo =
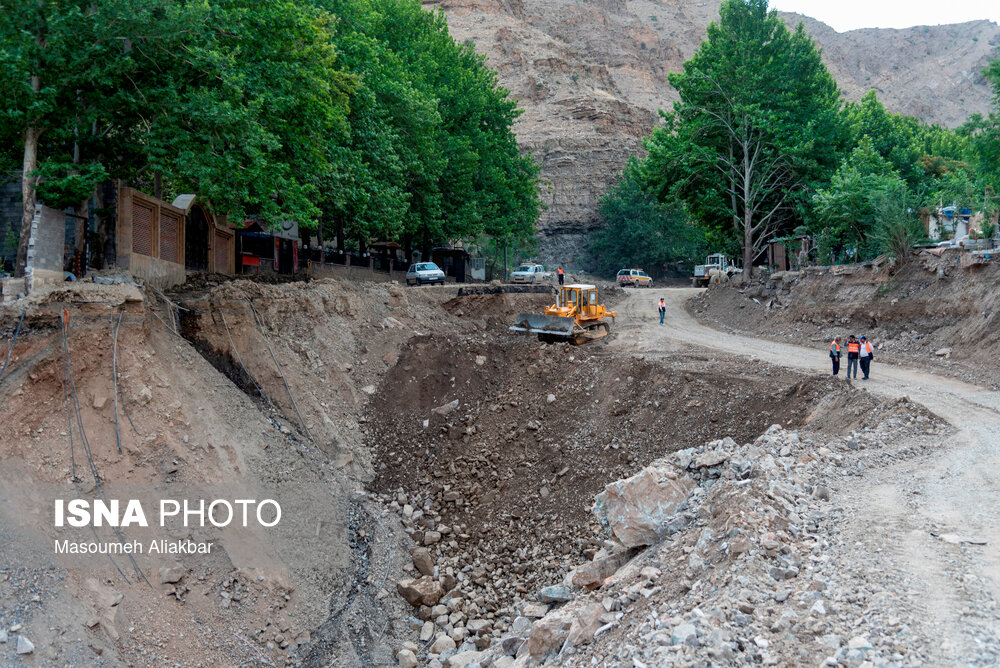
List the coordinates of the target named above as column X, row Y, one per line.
column 46, row 246
column 140, row 243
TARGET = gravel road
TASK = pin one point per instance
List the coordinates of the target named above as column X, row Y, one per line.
column 923, row 519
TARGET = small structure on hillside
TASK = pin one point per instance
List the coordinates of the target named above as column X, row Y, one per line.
column 784, row 253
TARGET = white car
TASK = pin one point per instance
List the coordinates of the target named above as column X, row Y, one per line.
column 529, row 273
column 424, row 272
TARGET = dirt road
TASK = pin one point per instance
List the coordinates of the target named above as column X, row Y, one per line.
column 948, row 587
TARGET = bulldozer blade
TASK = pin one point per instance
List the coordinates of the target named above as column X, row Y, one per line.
column 550, row 325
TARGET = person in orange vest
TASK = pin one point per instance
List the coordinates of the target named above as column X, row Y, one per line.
column 662, row 308
column 835, row 354
column 560, row 272
column 865, row 356
column 853, row 353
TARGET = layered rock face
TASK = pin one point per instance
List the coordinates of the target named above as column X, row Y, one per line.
column 591, row 77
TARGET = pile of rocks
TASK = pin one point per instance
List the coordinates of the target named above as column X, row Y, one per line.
column 724, row 553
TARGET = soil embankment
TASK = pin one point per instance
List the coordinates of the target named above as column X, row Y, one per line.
column 928, row 313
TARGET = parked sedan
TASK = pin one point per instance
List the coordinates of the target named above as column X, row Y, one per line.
column 424, row 272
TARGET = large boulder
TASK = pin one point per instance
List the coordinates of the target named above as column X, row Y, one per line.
column 549, row 634
column 569, row 627
column 636, row 510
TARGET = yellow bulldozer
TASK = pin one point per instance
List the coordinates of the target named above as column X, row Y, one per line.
column 576, row 317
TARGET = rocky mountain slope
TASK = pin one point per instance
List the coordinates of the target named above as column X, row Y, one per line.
column 592, row 75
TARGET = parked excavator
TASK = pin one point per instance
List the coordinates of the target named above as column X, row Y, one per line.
column 576, row 317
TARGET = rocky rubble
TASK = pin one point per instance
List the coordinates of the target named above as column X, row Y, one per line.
column 723, row 553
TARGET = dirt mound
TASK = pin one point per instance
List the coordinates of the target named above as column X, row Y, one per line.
column 928, row 305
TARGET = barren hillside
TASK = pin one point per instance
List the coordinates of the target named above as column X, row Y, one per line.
column 592, row 75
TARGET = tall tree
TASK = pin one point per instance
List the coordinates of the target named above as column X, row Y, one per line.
column 50, row 54
column 755, row 130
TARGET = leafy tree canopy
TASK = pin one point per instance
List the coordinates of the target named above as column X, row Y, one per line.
column 756, row 128
column 639, row 231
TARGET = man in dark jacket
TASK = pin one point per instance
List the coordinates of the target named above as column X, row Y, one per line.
column 835, row 354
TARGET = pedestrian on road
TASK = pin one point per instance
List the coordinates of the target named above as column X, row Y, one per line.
column 662, row 308
column 865, row 356
column 853, row 353
column 835, row 354
column 562, row 277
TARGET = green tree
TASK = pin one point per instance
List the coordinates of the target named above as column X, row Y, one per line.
column 898, row 226
column 51, row 54
column 233, row 99
column 638, row 231
column 848, row 210
column 983, row 134
column 755, row 130
column 432, row 155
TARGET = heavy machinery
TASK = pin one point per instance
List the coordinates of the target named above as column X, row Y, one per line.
column 576, row 317
column 717, row 268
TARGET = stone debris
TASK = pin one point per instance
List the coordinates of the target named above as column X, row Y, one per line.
column 637, row 510
column 425, row 591
column 446, row 408
column 24, row 646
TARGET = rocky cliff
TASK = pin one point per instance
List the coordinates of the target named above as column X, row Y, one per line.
column 592, row 75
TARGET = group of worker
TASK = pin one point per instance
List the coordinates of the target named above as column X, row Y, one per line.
column 859, row 354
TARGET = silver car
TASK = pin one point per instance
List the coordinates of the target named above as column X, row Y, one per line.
column 424, row 272
column 529, row 273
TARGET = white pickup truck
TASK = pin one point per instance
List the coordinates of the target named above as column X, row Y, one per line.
column 530, row 273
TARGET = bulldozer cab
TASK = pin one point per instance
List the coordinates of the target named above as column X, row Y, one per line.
column 582, row 298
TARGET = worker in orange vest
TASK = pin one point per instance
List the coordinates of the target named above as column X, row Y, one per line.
column 560, row 272
column 853, row 353
column 865, row 356
column 662, row 308
column 835, row 354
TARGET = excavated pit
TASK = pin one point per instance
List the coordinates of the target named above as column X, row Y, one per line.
column 511, row 471
column 507, row 477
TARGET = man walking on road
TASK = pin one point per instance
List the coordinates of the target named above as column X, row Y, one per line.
column 835, row 354
column 865, row 356
column 853, row 352
column 662, row 308
column 559, row 271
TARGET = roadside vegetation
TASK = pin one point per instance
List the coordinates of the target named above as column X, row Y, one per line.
column 364, row 118
column 760, row 146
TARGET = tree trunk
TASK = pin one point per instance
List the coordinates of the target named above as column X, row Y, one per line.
column 322, row 249
column 158, row 185
column 747, row 249
column 28, row 180
column 425, row 247
column 340, row 238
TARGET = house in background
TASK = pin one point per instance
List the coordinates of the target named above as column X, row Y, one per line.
column 262, row 250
